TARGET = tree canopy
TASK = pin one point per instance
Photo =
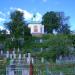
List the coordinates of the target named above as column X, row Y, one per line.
column 18, row 27
column 50, row 21
column 55, row 21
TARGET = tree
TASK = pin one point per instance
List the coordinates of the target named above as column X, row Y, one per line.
column 50, row 21
column 56, row 21
column 17, row 27
column 72, row 38
column 3, row 38
column 64, row 27
column 56, row 45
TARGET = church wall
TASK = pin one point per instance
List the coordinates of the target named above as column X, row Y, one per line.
column 36, row 28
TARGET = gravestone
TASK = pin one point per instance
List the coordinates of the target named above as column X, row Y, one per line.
column 24, row 56
column 14, row 49
column 19, row 57
column 18, row 50
column 60, row 57
column 42, row 59
column 7, row 54
column 11, row 56
column 29, row 58
column 11, row 61
column 10, row 72
column 13, row 52
column 25, row 72
column 41, row 40
column 61, row 73
column 41, row 49
column 29, row 55
column 32, row 61
column 1, row 52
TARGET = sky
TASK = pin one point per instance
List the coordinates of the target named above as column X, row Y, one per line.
column 38, row 7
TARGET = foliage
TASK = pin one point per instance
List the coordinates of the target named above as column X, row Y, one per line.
column 51, row 21
column 64, row 24
column 59, row 42
column 18, row 28
column 72, row 38
column 64, row 29
column 54, row 45
column 3, row 38
column 56, row 21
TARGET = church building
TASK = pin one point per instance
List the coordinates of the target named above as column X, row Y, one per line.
column 36, row 27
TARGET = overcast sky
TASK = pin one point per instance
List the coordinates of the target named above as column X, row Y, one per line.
column 38, row 7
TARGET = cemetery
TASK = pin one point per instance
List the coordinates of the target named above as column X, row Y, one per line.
column 44, row 47
column 25, row 64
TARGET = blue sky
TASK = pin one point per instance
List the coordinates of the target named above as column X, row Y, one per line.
column 39, row 7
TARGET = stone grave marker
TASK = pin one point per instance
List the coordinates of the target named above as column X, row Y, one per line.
column 7, row 54
column 11, row 56
column 1, row 52
column 29, row 58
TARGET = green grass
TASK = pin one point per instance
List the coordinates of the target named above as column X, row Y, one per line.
column 67, row 69
column 3, row 64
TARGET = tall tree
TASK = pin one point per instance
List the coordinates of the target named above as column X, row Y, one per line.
column 17, row 27
column 50, row 21
column 56, row 21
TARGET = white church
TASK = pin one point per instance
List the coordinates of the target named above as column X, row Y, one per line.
column 36, row 27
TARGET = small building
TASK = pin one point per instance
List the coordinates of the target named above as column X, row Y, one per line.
column 36, row 28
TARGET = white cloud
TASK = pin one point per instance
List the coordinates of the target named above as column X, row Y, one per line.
column 8, row 13
column 2, row 19
column 8, row 32
column 28, row 15
column 1, row 27
column 2, row 14
column 12, row 8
